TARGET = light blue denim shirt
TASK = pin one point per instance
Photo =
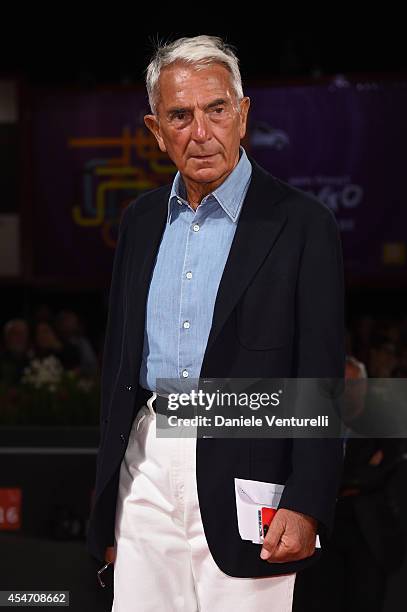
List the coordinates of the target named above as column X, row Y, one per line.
column 188, row 268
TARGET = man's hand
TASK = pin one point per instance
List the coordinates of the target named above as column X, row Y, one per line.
column 291, row 536
column 110, row 554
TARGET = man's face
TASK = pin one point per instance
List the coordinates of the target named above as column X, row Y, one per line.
column 199, row 121
column 383, row 360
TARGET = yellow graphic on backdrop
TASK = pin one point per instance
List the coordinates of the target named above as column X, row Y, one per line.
column 118, row 174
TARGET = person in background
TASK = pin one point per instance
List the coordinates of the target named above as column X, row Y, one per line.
column 368, row 541
column 47, row 342
column 16, row 353
column 69, row 328
column 382, row 357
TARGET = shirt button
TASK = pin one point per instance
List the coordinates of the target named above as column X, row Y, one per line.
column 185, row 373
column 195, row 227
column 187, row 324
column 128, row 387
column 188, row 274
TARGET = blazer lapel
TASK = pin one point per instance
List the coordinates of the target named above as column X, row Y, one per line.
column 148, row 225
column 258, row 227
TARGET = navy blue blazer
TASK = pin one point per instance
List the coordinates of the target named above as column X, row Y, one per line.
column 279, row 312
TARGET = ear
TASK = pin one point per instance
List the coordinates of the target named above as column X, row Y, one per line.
column 244, row 109
column 152, row 123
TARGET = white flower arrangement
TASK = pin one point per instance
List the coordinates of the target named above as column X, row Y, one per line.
column 45, row 372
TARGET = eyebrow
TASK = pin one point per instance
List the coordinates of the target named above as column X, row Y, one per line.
column 184, row 109
column 217, row 102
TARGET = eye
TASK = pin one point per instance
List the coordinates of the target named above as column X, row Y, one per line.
column 179, row 116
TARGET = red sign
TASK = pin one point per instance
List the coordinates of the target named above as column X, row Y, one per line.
column 10, row 509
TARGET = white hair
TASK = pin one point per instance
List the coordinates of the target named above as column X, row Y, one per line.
column 200, row 51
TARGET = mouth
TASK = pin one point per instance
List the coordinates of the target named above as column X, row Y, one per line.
column 203, row 157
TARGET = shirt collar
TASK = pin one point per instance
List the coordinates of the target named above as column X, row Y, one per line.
column 230, row 194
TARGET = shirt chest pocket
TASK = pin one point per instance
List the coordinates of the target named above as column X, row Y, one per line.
column 265, row 313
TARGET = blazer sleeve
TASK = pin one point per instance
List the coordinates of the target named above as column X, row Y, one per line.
column 113, row 342
column 317, row 463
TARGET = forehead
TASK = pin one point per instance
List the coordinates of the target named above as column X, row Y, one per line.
column 181, row 84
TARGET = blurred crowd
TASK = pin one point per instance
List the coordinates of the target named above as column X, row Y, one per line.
column 61, row 335
column 368, row 541
column 379, row 344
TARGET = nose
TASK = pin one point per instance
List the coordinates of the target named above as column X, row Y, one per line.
column 201, row 128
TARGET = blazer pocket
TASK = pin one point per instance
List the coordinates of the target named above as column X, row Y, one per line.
column 265, row 315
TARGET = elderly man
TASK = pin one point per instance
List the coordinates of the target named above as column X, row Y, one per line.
column 228, row 272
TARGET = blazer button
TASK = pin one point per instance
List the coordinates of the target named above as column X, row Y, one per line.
column 122, row 438
column 105, row 420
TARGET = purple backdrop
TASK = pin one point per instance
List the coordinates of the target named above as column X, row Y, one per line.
column 342, row 141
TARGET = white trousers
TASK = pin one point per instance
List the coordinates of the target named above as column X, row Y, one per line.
column 162, row 558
